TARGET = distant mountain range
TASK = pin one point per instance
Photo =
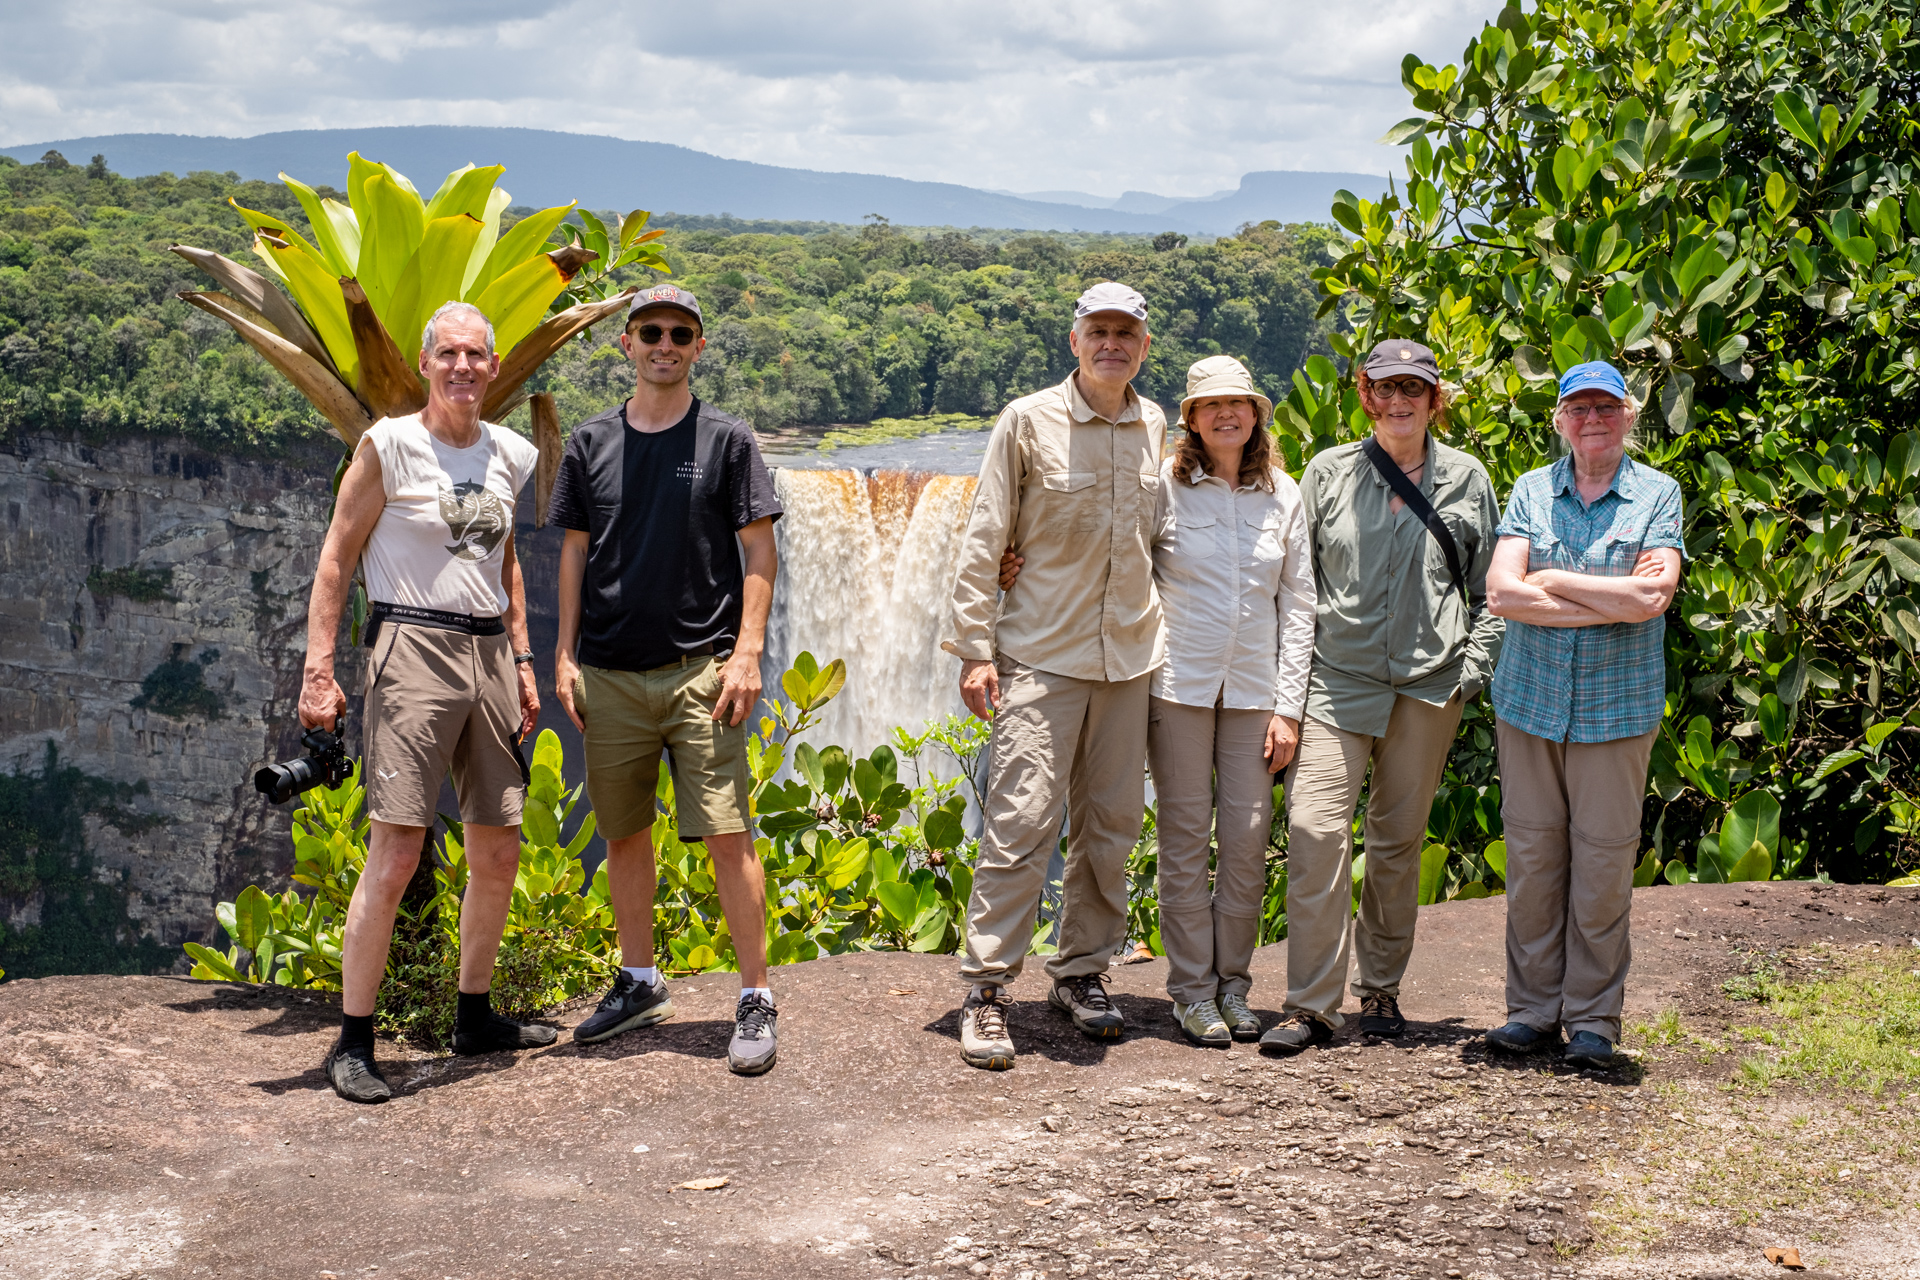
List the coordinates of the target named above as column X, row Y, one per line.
column 546, row 167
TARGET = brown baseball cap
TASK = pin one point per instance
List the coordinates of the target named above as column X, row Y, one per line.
column 666, row 295
column 1402, row 355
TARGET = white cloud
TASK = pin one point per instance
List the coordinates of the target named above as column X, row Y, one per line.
column 1013, row 94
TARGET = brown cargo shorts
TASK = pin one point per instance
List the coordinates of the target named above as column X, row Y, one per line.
column 631, row 717
column 438, row 701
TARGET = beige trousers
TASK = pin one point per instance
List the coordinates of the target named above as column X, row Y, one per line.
column 1057, row 740
column 1323, row 786
column 1211, row 780
column 1572, row 817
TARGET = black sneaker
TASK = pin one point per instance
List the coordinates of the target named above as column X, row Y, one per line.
column 501, row 1034
column 1294, row 1033
column 752, row 1050
column 1518, row 1037
column 627, row 1006
column 1380, row 1016
column 353, row 1075
column 1085, row 1000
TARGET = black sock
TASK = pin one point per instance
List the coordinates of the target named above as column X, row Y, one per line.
column 473, row 1010
column 356, row 1032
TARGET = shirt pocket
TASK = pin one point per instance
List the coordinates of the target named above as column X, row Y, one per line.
column 1194, row 537
column 1071, row 501
column 1266, row 537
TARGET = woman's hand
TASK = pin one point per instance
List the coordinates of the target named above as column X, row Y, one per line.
column 1009, row 568
column 1283, row 737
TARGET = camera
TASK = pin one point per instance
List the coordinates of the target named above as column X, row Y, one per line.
column 325, row 762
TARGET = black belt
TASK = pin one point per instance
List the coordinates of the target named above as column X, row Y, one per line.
column 434, row 618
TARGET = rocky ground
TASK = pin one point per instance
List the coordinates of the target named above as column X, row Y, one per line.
column 159, row 1127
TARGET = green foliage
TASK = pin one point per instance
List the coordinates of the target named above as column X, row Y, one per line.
column 178, row 687
column 142, row 585
column 1717, row 196
column 1856, row 1026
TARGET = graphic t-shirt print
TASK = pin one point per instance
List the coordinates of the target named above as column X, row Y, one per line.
column 476, row 519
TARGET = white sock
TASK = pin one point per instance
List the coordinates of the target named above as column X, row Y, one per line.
column 645, row 977
column 765, row 993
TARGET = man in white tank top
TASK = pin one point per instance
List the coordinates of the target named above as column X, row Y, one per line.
column 426, row 508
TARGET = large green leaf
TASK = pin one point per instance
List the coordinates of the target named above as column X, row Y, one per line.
column 390, row 234
column 431, row 277
column 522, row 241
column 537, row 826
column 497, row 203
column 1755, row 818
column 252, row 917
column 326, row 234
column 1433, row 873
column 465, row 190
column 1755, row 864
column 317, row 290
column 517, row 301
column 901, row 899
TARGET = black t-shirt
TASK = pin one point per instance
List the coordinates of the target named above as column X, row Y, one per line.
column 660, row 511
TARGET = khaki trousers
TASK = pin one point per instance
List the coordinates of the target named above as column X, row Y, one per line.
column 1057, row 740
column 1572, row 817
column 1211, row 779
column 1323, row 786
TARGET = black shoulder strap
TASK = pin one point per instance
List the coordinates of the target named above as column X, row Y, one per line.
column 1409, row 493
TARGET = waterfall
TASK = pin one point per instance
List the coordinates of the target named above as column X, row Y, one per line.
column 866, row 574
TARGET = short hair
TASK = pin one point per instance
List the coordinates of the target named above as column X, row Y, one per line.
column 455, row 309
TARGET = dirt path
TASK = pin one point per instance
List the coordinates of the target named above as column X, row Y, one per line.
column 160, row 1127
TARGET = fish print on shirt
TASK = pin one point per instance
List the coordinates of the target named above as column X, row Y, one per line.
column 476, row 518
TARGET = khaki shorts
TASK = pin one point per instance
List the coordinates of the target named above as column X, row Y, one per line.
column 631, row 717
column 437, row 701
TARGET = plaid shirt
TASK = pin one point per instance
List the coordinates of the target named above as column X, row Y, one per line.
column 1609, row 680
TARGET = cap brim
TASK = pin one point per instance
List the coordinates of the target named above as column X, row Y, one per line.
column 1135, row 313
column 667, row 306
column 1428, row 376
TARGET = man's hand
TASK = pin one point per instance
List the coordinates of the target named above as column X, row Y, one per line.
column 1283, row 737
column 1009, row 568
column 529, row 698
column 322, row 701
column 565, row 672
column 1651, row 564
column 739, row 688
column 980, row 687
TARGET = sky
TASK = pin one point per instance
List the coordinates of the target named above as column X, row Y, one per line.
column 1099, row 96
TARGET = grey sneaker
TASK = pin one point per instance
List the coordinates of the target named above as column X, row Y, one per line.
column 752, row 1049
column 627, row 1006
column 1201, row 1023
column 354, row 1076
column 985, row 1041
column 1240, row 1019
column 1085, row 1000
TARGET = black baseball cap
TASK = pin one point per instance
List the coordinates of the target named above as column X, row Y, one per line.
column 666, row 295
column 1402, row 355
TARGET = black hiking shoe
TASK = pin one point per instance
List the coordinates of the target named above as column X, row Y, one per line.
column 753, row 1048
column 1518, row 1037
column 1590, row 1049
column 627, row 1006
column 1380, row 1016
column 353, row 1075
column 501, row 1034
column 1085, row 1000
column 1294, row 1033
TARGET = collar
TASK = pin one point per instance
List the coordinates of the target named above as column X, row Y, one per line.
column 1435, row 470
column 1081, row 412
column 1560, row 478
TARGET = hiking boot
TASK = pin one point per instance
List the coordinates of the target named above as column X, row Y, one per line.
column 353, row 1075
column 1589, row 1049
column 501, row 1034
column 1296, row 1032
column 1380, row 1016
column 1518, row 1037
column 1085, row 1000
column 627, row 1006
column 984, row 1039
column 1201, row 1023
column 752, row 1050
column 1240, row 1020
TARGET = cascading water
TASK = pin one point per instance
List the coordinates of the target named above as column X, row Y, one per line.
column 866, row 574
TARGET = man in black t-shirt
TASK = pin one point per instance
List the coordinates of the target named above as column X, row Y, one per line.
column 662, row 498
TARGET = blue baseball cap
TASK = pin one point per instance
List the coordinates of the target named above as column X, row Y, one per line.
column 1595, row 375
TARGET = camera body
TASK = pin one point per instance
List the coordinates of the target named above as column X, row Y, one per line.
column 325, row 763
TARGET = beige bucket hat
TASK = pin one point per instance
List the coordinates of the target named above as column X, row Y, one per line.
column 1222, row 376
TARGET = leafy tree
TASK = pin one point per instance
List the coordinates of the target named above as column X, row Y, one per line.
column 1719, row 196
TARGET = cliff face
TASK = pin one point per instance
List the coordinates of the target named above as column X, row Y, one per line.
column 152, row 631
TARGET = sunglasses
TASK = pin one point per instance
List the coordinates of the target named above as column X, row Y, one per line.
column 1408, row 388
column 682, row 335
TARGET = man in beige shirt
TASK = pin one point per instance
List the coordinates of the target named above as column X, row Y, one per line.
column 1060, row 665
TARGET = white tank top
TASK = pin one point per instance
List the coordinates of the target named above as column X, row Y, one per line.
column 441, row 539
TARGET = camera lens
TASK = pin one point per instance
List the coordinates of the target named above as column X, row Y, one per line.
column 282, row 782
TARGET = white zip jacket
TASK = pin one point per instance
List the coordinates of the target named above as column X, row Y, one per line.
column 1234, row 570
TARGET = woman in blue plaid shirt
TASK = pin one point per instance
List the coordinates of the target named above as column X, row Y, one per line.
column 1587, row 563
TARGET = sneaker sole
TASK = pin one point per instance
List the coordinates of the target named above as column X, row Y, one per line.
column 988, row 1061
column 1247, row 1037
column 1204, row 1042
column 752, row 1068
column 645, row 1018
column 1383, row 1033
column 1093, row 1031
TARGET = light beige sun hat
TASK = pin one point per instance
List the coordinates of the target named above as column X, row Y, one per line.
column 1222, row 376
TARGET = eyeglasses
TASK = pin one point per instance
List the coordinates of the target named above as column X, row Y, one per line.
column 1407, row 388
column 681, row 334
column 1604, row 412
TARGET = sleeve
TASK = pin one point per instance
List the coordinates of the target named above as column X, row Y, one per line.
column 1518, row 520
column 1163, row 521
column 1299, row 602
column 750, row 490
column 1485, row 631
column 1664, row 529
column 990, row 526
column 571, row 503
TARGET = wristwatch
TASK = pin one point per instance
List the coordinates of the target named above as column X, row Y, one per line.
column 519, row 658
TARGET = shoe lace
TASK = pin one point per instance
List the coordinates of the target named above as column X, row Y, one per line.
column 1380, row 1006
column 622, row 984
column 990, row 1018
column 751, row 1019
column 1091, row 991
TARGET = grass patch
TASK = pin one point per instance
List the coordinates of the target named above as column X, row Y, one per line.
column 1855, row 1024
column 887, row 430
column 142, row 585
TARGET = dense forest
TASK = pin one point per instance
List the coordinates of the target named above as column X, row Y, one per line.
column 808, row 323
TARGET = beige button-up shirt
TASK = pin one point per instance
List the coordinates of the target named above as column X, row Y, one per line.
column 1235, row 574
column 1390, row 622
column 1075, row 494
